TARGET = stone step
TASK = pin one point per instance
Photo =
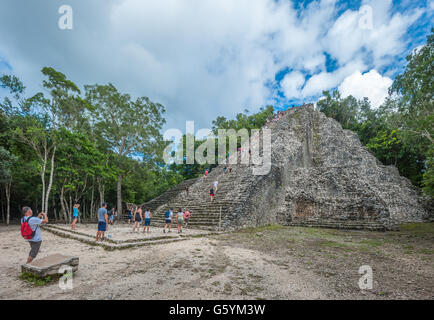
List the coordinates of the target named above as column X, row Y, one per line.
column 109, row 245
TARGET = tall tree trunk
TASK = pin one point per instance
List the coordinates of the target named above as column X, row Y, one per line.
column 44, row 166
column 91, row 203
column 101, row 189
column 54, row 209
column 2, row 208
column 62, row 204
column 8, row 202
column 119, row 189
column 70, row 209
column 50, row 184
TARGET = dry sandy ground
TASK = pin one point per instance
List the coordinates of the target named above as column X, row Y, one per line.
column 265, row 263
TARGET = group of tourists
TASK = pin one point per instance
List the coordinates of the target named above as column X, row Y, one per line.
column 181, row 218
column 138, row 216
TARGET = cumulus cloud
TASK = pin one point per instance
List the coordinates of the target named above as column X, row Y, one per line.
column 202, row 58
column 292, row 84
column 371, row 85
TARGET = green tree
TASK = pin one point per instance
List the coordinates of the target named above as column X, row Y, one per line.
column 130, row 127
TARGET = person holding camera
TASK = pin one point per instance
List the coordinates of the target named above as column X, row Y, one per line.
column 35, row 239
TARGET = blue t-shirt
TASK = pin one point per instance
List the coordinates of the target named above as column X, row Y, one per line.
column 167, row 214
column 34, row 223
column 101, row 213
column 75, row 212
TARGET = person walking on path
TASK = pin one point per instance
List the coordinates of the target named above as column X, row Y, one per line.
column 216, row 183
column 137, row 219
column 180, row 219
column 206, row 174
column 186, row 191
column 102, row 222
column 148, row 216
column 75, row 216
column 187, row 215
column 168, row 220
column 130, row 215
column 35, row 238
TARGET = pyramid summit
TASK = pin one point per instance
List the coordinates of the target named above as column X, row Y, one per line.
column 320, row 175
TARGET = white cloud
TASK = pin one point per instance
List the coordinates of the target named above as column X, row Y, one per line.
column 371, row 85
column 292, row 84
column 200, row 58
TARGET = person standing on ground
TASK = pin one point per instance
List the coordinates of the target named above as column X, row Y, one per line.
column 206, row 174
column 75, row 216
column 186, row 191
column 137, row 219
column 148, row 216
column 115, row 216
column 168, row 220
column 35, row 238
column 102, row 222
column 211, row 194
column 111, row 215
column 186, row 217
column 180, row 219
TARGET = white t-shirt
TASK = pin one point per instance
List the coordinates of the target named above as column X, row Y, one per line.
column 216, row 183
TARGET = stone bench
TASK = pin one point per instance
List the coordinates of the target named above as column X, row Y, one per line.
column 50, row 265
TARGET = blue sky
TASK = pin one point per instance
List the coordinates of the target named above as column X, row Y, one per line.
column 205, row 58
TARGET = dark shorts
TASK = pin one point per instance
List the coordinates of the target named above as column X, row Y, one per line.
column 138, row 220
column 34, row 248
column 147, row 222
column 186, row 220
column 102, row 226
column 168, row 221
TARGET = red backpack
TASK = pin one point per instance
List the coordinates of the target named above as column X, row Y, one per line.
column 26, row 231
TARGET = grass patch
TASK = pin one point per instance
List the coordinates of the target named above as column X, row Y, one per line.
column 418, row 229
column 372, row 243
column 426, row 251
column 332, row 244
column 271, row 227
column 37, row 281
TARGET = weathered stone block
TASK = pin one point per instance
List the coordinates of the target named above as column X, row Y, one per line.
column 50, row 265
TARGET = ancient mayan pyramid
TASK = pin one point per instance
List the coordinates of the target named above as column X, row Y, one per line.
column 321, row 175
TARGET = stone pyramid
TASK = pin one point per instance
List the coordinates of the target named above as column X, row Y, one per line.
column 320, row 175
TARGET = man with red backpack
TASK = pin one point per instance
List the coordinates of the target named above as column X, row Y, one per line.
column 31, row 232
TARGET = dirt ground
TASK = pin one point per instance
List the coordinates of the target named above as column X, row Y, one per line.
column 272, row 262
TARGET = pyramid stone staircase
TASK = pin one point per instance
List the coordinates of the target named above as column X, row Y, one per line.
column 320, row 175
